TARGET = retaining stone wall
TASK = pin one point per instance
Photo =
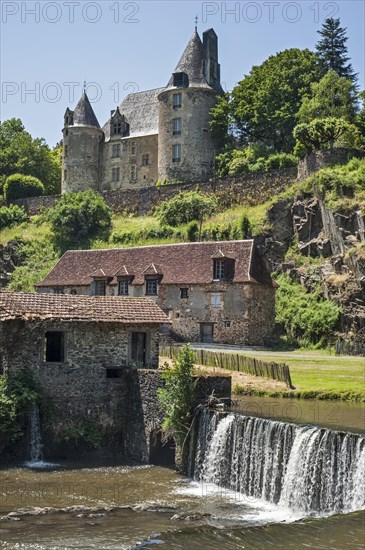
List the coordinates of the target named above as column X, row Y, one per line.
column 251, row 188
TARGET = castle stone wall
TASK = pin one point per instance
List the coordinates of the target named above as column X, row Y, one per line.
column 197, row 148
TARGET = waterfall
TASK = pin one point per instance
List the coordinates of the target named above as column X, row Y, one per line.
column 36, row 446
column 304, row 468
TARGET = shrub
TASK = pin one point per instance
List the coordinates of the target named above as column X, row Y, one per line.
column 177, row 396
column 280, row 160
column 306, row 317
column 18, row 186
column 78, row 218
column 11, row 215
column 186, row 207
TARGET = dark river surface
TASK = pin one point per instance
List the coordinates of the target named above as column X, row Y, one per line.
column 93, row 506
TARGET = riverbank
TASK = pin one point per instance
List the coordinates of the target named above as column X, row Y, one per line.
column 315, row 375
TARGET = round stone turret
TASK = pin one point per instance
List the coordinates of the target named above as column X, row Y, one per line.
column 185, row 147
column 82, row 149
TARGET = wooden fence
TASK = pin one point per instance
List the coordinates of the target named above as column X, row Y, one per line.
column 234, row 361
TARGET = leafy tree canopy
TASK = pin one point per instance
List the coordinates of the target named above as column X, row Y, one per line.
column 20, row 153
column 332, row 96
column 78, row 218
column 332, row 50
column 186, row 207
column 265, row 103
column 19, row 186
column 321, row 132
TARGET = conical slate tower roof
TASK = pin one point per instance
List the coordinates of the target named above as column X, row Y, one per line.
column 84, row 114
column 191, row 63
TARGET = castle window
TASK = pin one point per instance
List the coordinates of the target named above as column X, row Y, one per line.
column 184, row 293
column 117, row 128
column 176, row 126
column 115, row 174
column 123, row 288
column 181, row 80
column 100, row 287
column 177, row 100
column 66, row 132
column 133, row 172
column 133, row 148
column 116, row 150
column 145, row 159
column 176, row 152
column 65, row 175
column 66, row 150
column 219, row 269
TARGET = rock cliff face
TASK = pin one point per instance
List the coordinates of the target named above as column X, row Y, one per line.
column 337, row 241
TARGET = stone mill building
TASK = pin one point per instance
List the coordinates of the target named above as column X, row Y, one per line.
column 155, row 134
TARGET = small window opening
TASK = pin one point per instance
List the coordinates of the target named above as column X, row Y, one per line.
column 184, row 293
column 54, row 348
column 113, row 373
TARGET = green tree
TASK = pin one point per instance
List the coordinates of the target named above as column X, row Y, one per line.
column 332, row 96
column 187, row 207
column 20, row 153
column 265, row 103
column 177, row 396
column 321, row 133
column 332, row 50
column 78, row 218
column 221, row 122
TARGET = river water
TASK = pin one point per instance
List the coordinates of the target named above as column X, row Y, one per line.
column 128, row 507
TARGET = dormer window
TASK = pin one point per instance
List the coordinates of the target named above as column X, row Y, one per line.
column 123, row 287
column 117, row 128
column 151, row 286
column 181, row 80
column 219, row 270
column 100, row 287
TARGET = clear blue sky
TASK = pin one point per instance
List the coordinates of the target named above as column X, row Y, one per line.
column 125, row 46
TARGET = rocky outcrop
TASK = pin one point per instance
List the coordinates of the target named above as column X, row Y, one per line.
column 337, row 241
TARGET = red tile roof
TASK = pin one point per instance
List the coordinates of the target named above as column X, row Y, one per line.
column 106, row 309
column 184, row 263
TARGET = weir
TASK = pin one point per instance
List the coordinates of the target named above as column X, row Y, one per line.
column 303, row 468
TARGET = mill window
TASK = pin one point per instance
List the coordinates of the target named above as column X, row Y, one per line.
column 58, row 291
column 54, row 347
column 133, row 172
column 177, row 100
column 116, row 150
column 184, row 293
column 176, row 127
column 100, row 288
column 215, row 299
column 145, row 159
column 133, row 148
column 176, row 152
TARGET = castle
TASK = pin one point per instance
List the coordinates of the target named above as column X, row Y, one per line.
column 153, row 135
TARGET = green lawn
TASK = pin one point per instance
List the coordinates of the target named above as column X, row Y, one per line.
column 316, row 371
